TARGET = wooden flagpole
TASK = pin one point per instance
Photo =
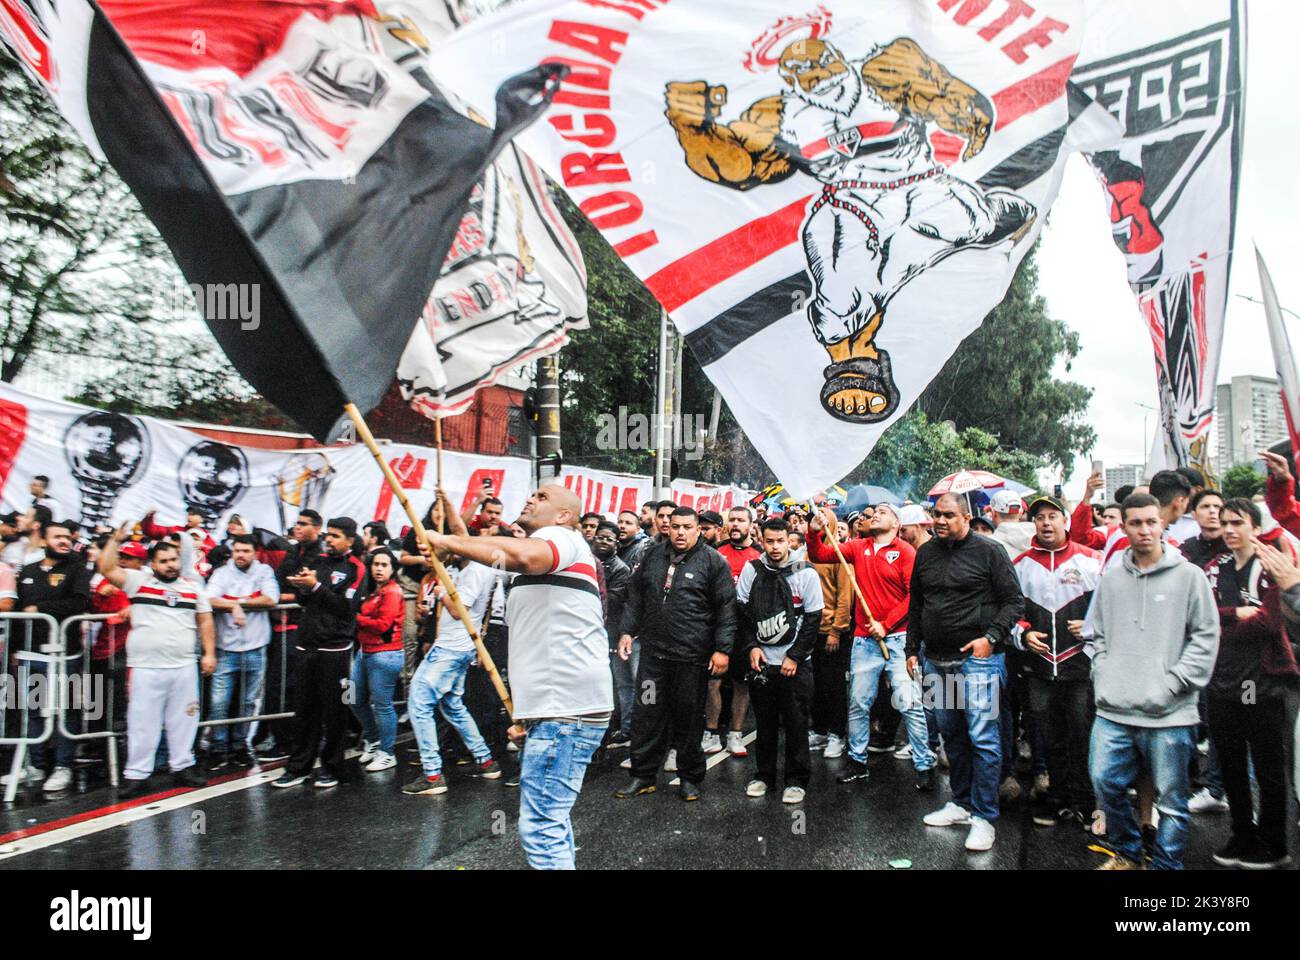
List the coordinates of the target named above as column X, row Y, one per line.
column 829, row 534
column 439, row 571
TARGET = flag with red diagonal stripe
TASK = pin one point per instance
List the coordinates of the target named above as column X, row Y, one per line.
column 827, row 197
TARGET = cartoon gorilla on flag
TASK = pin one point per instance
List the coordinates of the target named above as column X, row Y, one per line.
column 886, row 212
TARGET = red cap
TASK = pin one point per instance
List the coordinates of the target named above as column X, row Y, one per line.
column 133, row 548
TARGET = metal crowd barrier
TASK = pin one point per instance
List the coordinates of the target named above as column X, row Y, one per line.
column 16, row 689
column 72, row 688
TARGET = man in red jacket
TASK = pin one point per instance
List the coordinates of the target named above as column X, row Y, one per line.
column 882, row 566
column 1279, row 494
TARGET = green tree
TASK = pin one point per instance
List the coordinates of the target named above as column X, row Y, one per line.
column 1242, row 481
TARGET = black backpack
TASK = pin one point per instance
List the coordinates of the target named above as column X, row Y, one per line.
column 771, row 603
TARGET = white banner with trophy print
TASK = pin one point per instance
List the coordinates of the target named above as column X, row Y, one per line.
column 108, row 468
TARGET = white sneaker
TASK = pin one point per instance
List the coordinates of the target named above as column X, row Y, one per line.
column 904, row 752
column 981, row 834
column 792, row 795
column 59, row 780
column 817, row 740
column 670, row 765
column 626, row 764
column 1205, row 802
column 381, row 761
column 512, row 747
column 950, row 815
column 834, row 747
column 712, row 743
column 28, row 774
column 756, row 788
column 736, row 744
column 368, row 751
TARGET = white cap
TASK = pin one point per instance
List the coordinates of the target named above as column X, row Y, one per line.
column 913, row 513
column 1006, row 501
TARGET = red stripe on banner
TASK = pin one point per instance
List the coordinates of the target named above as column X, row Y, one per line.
column 1031, row 93
column 13, row 431
column 700, row 271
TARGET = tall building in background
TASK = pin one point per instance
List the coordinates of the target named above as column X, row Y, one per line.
column 1116, row 477
column 1248, row 413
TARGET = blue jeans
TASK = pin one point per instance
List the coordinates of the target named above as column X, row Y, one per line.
column 1117, row 754
column 439, row 685
column 251, row 666
column 865, row 665
column 374, row 678
column 624, row 689
column 555, row 759
column 967, row 701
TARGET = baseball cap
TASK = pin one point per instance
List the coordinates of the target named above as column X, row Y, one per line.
column 710, row 516
column 853, row 515
column 1042, row 503
column 10, row 518
column 982, row 523
column 133, row 548
column 912, row 514
column 1006, row 501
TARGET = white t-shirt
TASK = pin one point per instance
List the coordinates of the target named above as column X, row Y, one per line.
column 164, row 626
column 559, row 650
column 230, row 583
column 474, row 584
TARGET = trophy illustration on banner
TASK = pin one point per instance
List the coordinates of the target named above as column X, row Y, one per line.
column 213, row 476
column 106, row 452
column 301, row 484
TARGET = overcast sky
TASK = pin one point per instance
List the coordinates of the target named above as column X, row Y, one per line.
column 1082, row 272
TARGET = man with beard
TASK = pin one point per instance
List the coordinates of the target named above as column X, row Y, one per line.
column 558, row 665
column 617, row 575
column 647, row 518
column 57, row 584
column 738, row 551
column 169, row 613
column 1208, row 542
column 324, row 643
column 632, row 540
column 711, row 528
column 681, row 604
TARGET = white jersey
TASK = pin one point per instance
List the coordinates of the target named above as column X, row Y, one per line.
column 474, row 583
column 559, row 650
column 164, row 623
column 230, row 583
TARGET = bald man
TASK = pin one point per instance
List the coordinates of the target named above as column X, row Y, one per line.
column 559, row 663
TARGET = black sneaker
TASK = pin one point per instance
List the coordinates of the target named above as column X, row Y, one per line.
column 689, row 791
column 853, row 772
column 243, row 759
column 217, row 761
column 323, row 781
column 635, row 788
column 1258, row 857
column 131, row 788
column 1073, row 817
column 1231, row 854
column 425, row 786
column 925, row 780
column 513, row 779
column 1045, row 813
column 189, row 777
column 488, row 770
column 619, row 740
column 288, row 779
column 271, row 754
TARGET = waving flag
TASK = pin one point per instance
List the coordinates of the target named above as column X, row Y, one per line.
column 296, row 157
column 826, row 197
column 1283, row 356
column 1161, row 91
column 513, row 285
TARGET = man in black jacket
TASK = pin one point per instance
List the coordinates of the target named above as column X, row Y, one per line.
column 617, row 576
column 325, row 589
column 682, row 606
column 780, row 604
column 964, row 600
column 57, row 584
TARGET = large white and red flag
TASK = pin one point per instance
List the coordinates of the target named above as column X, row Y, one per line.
column 827, row 197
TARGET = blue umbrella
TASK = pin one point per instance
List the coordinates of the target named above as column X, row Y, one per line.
column 863, row 495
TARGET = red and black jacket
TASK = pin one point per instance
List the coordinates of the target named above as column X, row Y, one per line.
column 1058, row 586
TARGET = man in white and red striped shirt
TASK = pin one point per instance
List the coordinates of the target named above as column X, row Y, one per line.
column 170, row 615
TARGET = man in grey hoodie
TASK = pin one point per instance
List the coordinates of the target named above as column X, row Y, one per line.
column 1156, row 637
